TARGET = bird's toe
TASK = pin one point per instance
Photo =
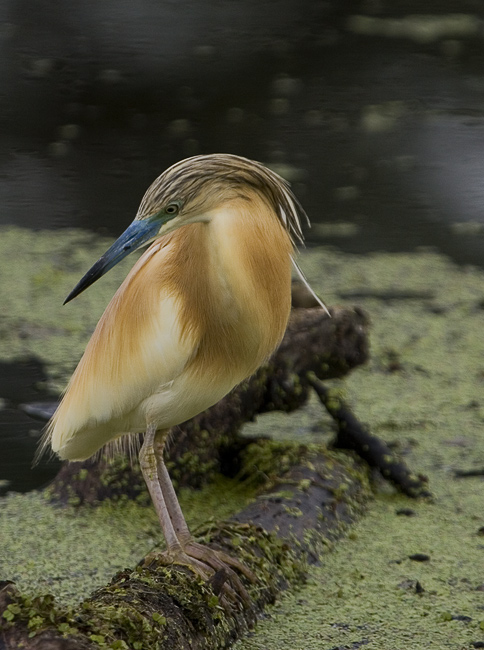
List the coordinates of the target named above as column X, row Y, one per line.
column 178, row 556
column 223, row 566
column 213, row 566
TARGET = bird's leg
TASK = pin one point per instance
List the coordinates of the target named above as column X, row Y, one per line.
column 149, row 468
column 209, row 557
column 169, row 495
column 148, row 464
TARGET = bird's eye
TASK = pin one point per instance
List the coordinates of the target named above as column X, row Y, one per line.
column 172, row 208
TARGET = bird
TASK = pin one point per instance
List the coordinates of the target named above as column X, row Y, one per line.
column 202, row 308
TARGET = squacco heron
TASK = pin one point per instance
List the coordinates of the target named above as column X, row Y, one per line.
column 200, row 311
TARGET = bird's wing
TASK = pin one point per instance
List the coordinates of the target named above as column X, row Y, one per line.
column 137, row 348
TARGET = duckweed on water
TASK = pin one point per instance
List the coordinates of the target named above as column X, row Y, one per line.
column 38, row 271
column 430, row 404
column 422, row 390
column 69, row 552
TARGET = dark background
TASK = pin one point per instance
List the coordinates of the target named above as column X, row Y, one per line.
column 375, row 108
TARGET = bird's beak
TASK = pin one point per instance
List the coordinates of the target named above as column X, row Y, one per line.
column 140, row 232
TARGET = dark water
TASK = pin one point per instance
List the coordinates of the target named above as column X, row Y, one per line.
column 96, row 99
column 21, row 382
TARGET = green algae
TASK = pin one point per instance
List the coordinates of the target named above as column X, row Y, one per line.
column 38, row 270
column 126, row 612
column 421, row 390
column 367, row 588
column 68, row 552
column 430, row 406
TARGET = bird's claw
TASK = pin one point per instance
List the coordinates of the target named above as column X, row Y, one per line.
column 168, row 558
column 214, row 567
column 219, row 561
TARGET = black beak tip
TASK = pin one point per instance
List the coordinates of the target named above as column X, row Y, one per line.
column 133, row 237
column 94, row 273
column 80, row 287
column 72, row 295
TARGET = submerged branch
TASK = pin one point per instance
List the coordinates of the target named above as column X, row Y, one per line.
column 351, row 434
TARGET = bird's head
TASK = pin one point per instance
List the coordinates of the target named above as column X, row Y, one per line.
column 189, row 192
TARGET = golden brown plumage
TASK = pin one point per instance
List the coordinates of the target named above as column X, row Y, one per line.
column 199, row 312
column 202, row 308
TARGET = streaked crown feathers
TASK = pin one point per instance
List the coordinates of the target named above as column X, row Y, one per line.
column 206, row 177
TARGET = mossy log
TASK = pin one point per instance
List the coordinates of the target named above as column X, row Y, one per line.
column 167, row 607
column 327, row 346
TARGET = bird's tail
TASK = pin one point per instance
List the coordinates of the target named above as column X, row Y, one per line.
column 44, row 448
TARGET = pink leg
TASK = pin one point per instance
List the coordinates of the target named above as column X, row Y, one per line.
column 148, row 464
column 215, row 559
column 181, row 548
column 169, row 494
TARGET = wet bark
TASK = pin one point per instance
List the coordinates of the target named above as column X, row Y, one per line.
column 168, row 607
column 328, row 347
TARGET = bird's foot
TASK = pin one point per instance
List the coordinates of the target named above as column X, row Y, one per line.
column 222, row 565
column 178, row 556
column 214, row 567
column 217, row 559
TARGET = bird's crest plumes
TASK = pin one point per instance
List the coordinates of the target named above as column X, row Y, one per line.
column 211, row 175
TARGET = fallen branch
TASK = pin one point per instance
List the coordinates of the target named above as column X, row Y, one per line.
column 313, row 496
column 468, row 473
column 160, row 607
